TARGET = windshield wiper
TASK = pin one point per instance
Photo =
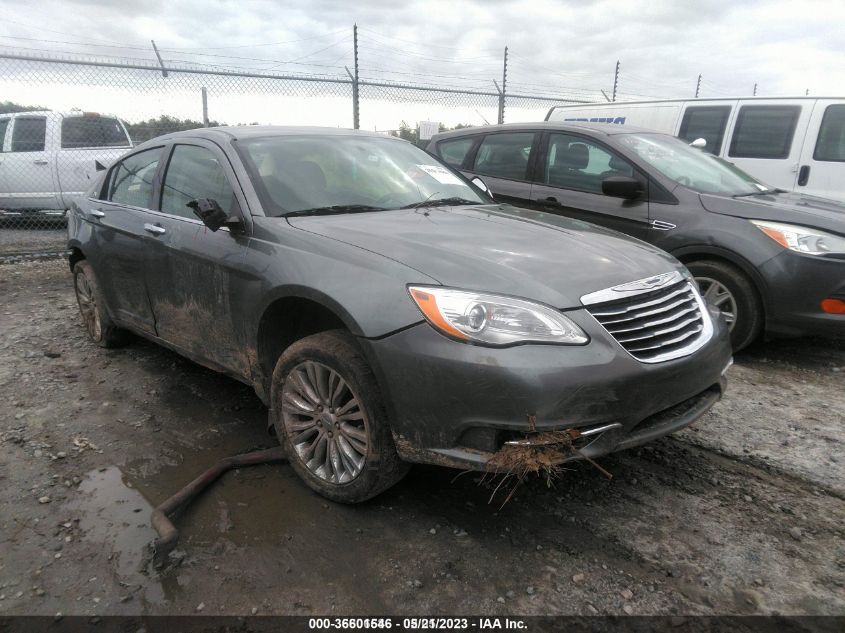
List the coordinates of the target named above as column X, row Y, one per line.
column 335, row 208
column 440, row 202
column 759, row 193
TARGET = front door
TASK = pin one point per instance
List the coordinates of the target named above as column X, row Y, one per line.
column 28, row 167
column 571, row 172
column 195, row 275
column 822, row 167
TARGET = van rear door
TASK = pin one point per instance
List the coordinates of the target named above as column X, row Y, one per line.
column 766, row 138
column 822, row 168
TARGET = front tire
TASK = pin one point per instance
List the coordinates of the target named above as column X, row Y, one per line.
column 101, row 329
column 329, row 416
column 730, row 290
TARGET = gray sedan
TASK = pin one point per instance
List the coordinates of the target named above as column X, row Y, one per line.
column 386, row 309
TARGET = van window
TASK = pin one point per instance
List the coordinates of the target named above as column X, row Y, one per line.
column 92, row 131
column 193, row 172
column 830, row 145
column 576, row 163
column 132, row 179
column 504, row 155
column 4, row 125
column 707, row 122
column 764, row 131
column 454, row 152
column 28, row 134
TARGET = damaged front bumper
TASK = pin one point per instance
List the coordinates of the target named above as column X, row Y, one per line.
column 457, row 405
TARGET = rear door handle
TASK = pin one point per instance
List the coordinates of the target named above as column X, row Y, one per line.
column 155, row 229
column 803, row 175
column 96, row 213
column 40, row 162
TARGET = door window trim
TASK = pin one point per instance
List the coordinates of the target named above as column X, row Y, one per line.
column 796, row 109
column 106, row 186
column 818, row 137
column 13, row 126
column 532, row 155
column 465, row 163
column 722, row 129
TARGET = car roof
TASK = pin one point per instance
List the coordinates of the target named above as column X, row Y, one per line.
column 598, row 129
column 239, row 132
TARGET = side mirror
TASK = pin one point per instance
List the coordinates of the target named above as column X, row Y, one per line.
column 481, row 185
column 699, row 143
column 621, row 187
column 209, row 211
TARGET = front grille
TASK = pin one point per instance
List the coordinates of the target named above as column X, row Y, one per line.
column 655, row 325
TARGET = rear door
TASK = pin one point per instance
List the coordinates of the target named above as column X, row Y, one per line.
column 822, row 168
column 766, row 138
column 124, row 232
column 28, row 166
column 504, row 161
column 86, row 140
column 570, row 172
column 195, row 275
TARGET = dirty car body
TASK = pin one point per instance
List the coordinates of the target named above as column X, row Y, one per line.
column 338, row 253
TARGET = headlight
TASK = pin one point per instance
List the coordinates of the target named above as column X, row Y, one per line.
column 493, row 319
column 802, row 239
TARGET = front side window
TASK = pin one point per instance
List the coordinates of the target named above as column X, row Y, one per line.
column 92, row 131
column 689, row 166
column 454, row 152
column 707, row 122
column 504, row 155
column 131, row 179
column 4, row 125
column 764, row 131
column 194, row 172
column 28, row 134
column 830, row 146
column 573, row 162
column 328, row 173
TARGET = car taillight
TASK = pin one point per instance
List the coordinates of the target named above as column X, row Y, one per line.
column 833, row 306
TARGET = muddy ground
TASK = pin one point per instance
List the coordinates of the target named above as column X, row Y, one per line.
column 743, row 513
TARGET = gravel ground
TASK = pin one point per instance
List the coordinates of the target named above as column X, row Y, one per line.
column 742, row 513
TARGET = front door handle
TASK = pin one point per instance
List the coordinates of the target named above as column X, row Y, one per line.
column 40, row 162
column 551, row 201
column 96, row 213
column 155, row 229
column 803, row 175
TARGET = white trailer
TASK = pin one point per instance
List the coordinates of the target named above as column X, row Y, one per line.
column 795, row 143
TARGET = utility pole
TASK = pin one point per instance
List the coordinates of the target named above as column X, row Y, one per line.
column 615, row 81
column 697, row 86
column 158, row 56
column 204, row 106
column 806, row 92
column 754, row 94
column 356, row 120
column 504, row 87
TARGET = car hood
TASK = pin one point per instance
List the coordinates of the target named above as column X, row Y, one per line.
column 791, row 208
column 500, row 249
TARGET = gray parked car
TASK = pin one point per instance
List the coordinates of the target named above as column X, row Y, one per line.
column 386, row 309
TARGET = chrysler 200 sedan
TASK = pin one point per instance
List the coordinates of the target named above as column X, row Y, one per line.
column 386, row 309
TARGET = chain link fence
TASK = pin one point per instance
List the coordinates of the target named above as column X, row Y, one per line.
column 62, row 120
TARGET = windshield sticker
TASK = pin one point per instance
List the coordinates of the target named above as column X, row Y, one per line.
column 441, row 174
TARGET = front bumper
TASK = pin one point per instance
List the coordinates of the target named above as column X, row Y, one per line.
column 455, row 404
column 797, row 284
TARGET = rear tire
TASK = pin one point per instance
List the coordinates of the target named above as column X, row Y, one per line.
column 101, row 329
column 330, row 418
column 734, row 293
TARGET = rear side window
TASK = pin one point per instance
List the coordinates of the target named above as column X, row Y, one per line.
column 87, row 131
column 4, row 125
column 707, row 122
column 504, row 155
column 131, row 179
column 764, row 131
column 830, row 145
column 193, row 172
column 454, row 152
column 28, row 134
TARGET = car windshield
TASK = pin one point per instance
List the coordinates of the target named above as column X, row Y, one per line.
column 691, row 167
column 332, row 173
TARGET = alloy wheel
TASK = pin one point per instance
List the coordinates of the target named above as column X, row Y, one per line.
column 88, row 306
column 717, row 294
column 325, row 422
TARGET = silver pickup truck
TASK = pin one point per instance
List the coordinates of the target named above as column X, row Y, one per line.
column 47, row 157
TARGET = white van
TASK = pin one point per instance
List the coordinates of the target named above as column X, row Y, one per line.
column 46, row 158
column 797, row 144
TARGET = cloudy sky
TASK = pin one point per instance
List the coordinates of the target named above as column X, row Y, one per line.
column 557, row 48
